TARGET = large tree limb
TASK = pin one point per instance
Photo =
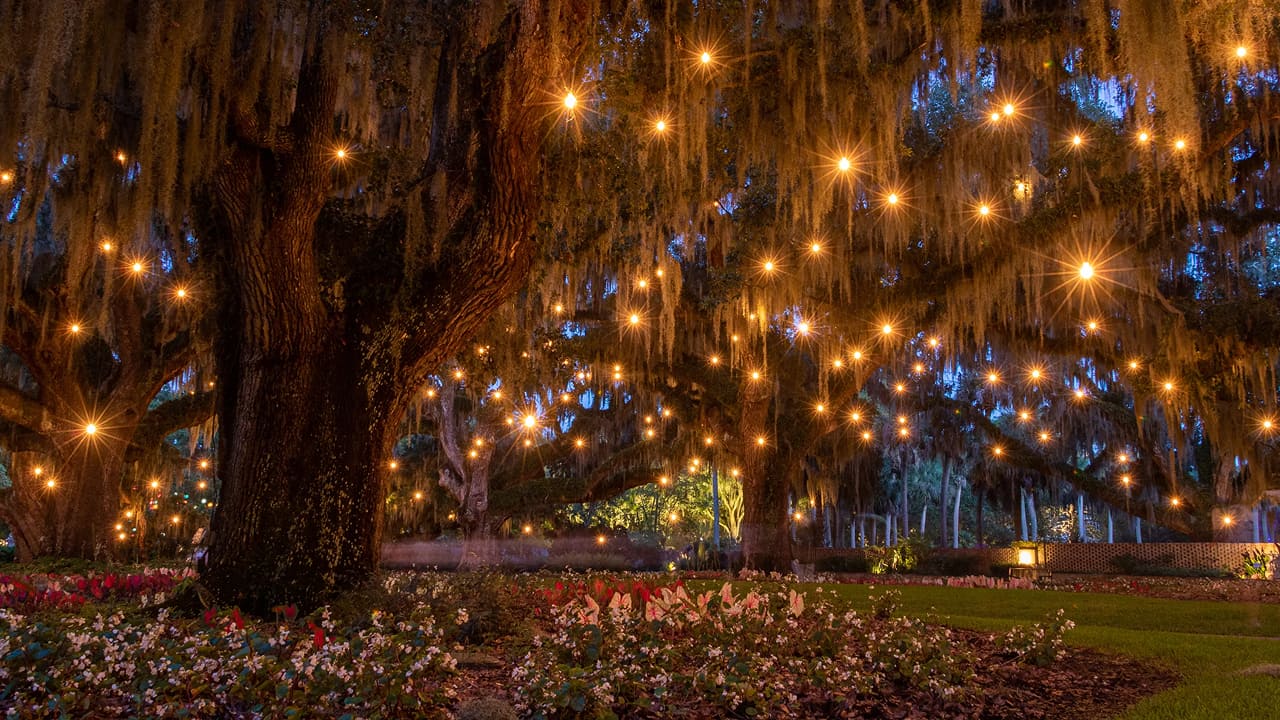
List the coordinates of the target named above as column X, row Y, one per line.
column 168, row 417
column 18, row 408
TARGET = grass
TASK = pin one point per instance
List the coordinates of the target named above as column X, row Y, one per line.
column 1208, row 643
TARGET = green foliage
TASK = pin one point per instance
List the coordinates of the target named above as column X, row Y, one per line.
column 904, row 557
column 1258, row 564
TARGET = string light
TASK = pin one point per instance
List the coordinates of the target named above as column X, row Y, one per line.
column 1086, row 271
column 855, row 416
column 866, row 434
column 121, row 157
column 802, row 327
column 900, row 388
column 1024, row 416
column 528, row 529
column 106, row 246
column 579, row 442
column 819, row 408
column 934, row 342
column 50, row 483
column 1123, row 457
column 857, row 354
column 91, row 429
column 393, row 465
column 74, row 328
column 984, row 210
column 1076, row 140
column 1180, row 144
column 570, row 101
column 340, row 154
column 997, row 451
column 417, row 495
column 1134, row 364
column 891, row 198
column 1242, row 52
column 1175, row 501
column 993, row 377
column 755, row 374
column 660, row 126
column 664, row 480
column 1008, row 109
column 180, row 293
column 760, row 440
column 1226, row 520
column 815, row 248
column 886, row 329
column 844, row 164
column 634, row 319
column 714, row 360
column 6, row 177
column 1044, row 436
column 1144, row 136
column 529, row 421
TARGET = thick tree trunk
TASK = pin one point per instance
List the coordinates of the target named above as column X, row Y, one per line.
column 766, row 544
column 300, row 514
column 91, row 479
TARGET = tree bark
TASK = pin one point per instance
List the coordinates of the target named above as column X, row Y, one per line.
column 766, row 479
column 304, row 471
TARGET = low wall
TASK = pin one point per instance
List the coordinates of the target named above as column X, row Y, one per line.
column 1098, row 557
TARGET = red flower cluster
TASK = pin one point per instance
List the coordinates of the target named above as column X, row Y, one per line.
column 602, row 590
column 68, row 592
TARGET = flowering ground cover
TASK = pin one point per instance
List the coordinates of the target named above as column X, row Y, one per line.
column 541, row 646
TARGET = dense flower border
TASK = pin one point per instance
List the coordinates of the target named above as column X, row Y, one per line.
column 629, row 646
column 69, row 592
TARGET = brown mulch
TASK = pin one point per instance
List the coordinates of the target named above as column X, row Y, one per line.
column 1083, row 685
column 1171, row 588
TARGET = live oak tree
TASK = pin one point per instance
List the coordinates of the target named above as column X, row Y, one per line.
column 369, row 183
column 90, row 336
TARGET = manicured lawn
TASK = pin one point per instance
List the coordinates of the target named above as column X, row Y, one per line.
column 1208, row 643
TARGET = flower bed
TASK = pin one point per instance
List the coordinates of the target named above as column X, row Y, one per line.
column 223, row 665
column 674, row 654
column 68, row 592
column 421, row 644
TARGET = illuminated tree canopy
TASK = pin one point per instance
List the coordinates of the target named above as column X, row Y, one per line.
column 939, row 214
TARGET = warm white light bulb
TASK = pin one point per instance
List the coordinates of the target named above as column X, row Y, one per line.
column 570, row 101
column 1086, row 271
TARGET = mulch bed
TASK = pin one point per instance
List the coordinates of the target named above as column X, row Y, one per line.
column 1171, row 588
column 1084, row 685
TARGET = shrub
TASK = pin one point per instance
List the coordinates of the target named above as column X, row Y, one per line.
column 957, row 563
column 851, row 563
